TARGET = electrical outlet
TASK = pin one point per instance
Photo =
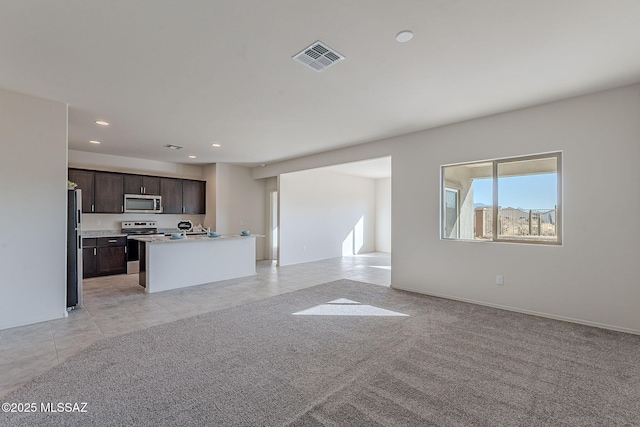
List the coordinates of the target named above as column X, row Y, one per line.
column 499, row 280
column 97, row 222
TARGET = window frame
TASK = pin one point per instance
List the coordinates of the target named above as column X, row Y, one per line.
column 457, row 223
column 494, row 226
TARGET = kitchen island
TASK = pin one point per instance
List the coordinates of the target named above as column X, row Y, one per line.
column 167, row 263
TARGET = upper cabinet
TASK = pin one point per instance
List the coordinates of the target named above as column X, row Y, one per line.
column 141, row 184
column 171, row 192
column 193, row 197
column 109, row 192
column 103, row 192
column 183, row 196
column 85, row 180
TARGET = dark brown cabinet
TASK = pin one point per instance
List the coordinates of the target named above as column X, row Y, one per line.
column 141, row 184
column 85, row 181
column 171, row 192
column 183, row 196
column 103, row 192
column 104, row 256
column 193, row 197
column 89, row 258
column 109, row 192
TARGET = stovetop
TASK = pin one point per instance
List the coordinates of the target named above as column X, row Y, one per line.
column 139, row 227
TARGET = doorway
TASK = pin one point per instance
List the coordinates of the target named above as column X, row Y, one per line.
column 273, row 226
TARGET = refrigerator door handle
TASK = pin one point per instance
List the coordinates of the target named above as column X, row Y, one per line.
column 79, row 242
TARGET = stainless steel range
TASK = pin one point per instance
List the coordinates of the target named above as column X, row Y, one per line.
column 133, row 229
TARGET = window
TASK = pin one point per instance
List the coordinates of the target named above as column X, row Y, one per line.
column 505, row 200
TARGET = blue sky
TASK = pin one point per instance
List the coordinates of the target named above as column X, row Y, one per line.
column 530, row 192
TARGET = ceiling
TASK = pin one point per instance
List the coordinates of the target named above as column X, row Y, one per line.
column 196, row 72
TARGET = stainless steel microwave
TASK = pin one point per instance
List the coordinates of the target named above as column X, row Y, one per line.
column 142, row 203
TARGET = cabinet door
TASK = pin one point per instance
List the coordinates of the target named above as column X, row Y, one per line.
column 85, row 181
column 89, row 262
column 112, row 260
column 151, row 185
column 89, row 257
column 133, row 184
column 109, row 192
column 171, row 192
column 193, row 197
column 141, row 184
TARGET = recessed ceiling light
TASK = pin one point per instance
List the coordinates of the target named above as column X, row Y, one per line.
column 192, row 157
column 94, row 142
column 404, row 36
column 216, row 145
column 102, row 123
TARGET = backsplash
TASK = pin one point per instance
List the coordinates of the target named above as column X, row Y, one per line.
column 100, row 233
column 111, row 222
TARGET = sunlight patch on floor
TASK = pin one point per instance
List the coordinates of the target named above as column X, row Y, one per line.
column 346, row 307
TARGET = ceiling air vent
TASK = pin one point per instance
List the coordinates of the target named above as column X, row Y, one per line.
column 318, row 56
column 173, row 147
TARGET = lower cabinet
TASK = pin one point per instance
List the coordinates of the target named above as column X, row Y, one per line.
column 89, row 258
column 103, row 256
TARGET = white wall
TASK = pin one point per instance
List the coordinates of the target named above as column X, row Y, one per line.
column 271, row 217
column 383, row 215
column 324, row 213
column 240, row 203
column 592, row 278
column 33, row 206
column 209, row 175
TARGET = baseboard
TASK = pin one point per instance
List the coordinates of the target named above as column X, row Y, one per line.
column 519, row 310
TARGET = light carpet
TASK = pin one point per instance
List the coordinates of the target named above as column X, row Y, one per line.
column 447, row 363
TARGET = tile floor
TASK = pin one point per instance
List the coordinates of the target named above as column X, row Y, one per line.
column 115, row 305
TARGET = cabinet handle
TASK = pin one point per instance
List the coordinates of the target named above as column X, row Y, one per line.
column 125, row 249
column 121, row 208
column 183, row 209
column 113, row 241
column 144, row 190
column 94, row 252
column 92, row 208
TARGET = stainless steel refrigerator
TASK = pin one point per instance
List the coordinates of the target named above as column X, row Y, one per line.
column 74, row 249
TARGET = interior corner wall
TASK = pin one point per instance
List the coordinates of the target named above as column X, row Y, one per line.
column 33, row 209
column 383, row 215
column 271, row 186
column 240, row 203
column 209, row 175
column 322, row 213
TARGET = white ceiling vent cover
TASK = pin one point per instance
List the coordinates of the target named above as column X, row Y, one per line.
column 318, row 56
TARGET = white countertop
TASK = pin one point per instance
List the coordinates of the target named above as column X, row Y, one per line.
column 101, row 233
column 159, row 239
